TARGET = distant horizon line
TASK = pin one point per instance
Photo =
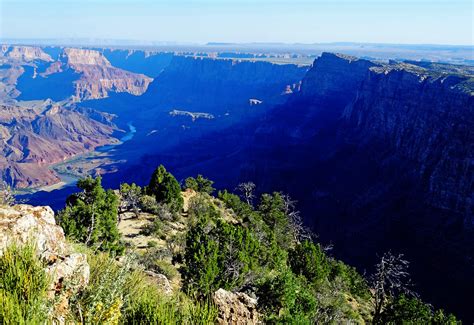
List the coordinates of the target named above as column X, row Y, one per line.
column 85, row 41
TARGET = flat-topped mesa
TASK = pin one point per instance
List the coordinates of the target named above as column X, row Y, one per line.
column 76, row 56
column 334, row 75
column 25, row 53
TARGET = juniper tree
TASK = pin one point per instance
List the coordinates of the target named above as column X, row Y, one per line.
column 165, row 188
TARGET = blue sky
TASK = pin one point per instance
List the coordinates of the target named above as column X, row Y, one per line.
column 199, row 21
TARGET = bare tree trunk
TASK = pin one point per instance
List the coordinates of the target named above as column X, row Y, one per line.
column 91, row 227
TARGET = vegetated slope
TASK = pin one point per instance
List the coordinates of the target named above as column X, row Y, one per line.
column 200, row 259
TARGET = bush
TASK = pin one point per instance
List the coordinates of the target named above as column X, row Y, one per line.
column 148, row 204
column 151, row 307
column 152, row 244
column 7, row 197
column 287, row 298
column 352, row 280
column 131, row 195
column 309, row 260
column 23, row 287
column 107, row 292
column 165, row 188
column 156, row 229
column 411, row 310
column 202, row 266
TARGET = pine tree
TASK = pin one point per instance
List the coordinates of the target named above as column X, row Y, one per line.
column 165, row 188
column 91, row 216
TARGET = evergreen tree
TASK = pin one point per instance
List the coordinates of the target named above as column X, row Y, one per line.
column 91, row 216
column 165, row 188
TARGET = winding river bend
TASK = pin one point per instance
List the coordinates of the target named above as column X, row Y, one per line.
column 69, row 177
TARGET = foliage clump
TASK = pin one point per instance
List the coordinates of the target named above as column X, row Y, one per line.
column 23, row 286
column 199, row 184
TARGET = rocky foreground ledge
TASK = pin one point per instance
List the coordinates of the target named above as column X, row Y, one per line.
column 25, row 224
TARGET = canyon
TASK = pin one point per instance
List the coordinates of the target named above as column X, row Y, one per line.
column 379, row 154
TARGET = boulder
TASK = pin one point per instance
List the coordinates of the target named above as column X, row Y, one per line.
column 161, row 281
column 236, row 308
column 23, row 224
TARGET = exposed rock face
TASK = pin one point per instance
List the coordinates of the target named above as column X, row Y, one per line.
column 236, row 308
column 78, row 57
column 88, row 71
column 24, row 53
column 428, row 120
column 220, row 86
column 148, row 63
column 24, row 224
column 98, row 76
column 334, row 76
column 34, row 137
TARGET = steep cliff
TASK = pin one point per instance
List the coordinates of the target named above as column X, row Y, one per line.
column 78, row 73
column 99, row 77
column 148, row 63
column 24, row 53
column 220, row 86
column 427, row 119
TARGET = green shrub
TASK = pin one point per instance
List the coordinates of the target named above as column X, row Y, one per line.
column 199, row 184
column 107, row 292
column 309, row 260
column 156, row 229
column 152, row 244
column 272, row 211
column 201, row 313
column 149, row 307
column 200, row 274
column 352, row 280
column 287, row 299
column 131, row 195
column 148, row 204
column 165, row 268
column 411, row 310
column 219, row 256
column 23, row 287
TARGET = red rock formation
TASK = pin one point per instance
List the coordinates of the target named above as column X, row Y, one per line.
column 33, row 138
column 25, row 53
column 99, row 77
